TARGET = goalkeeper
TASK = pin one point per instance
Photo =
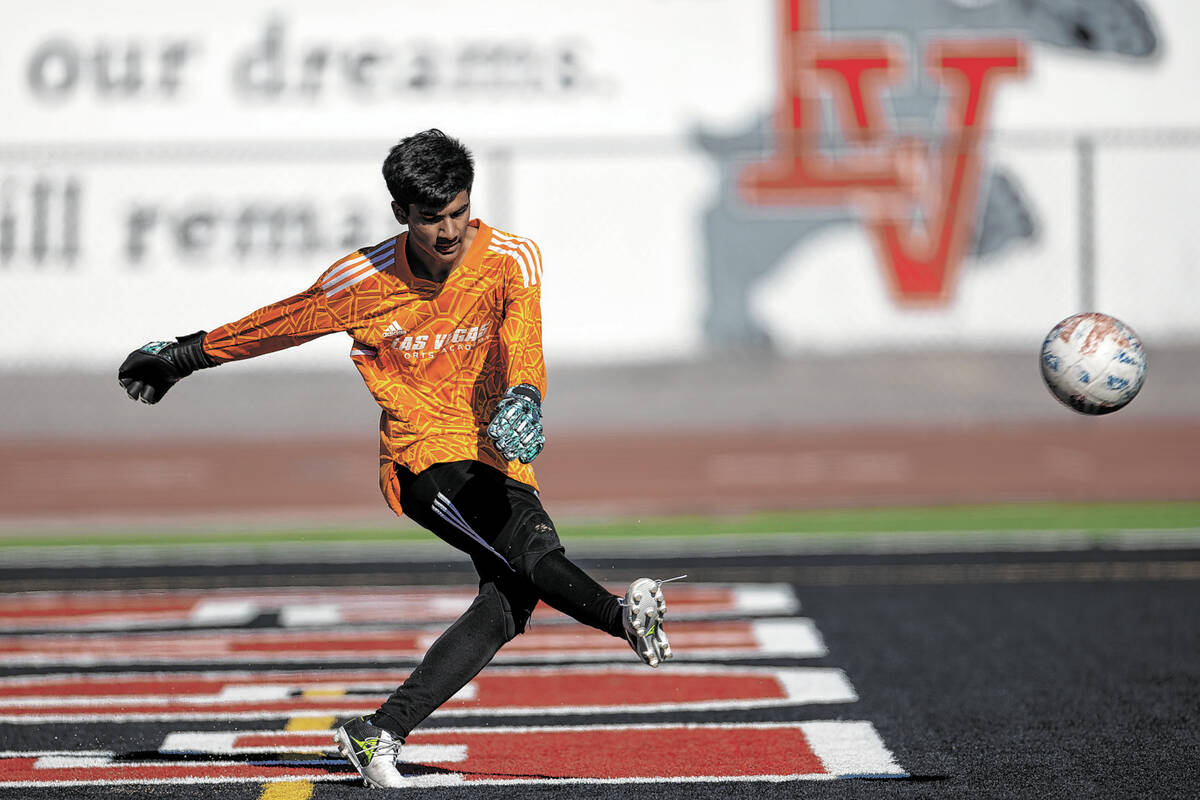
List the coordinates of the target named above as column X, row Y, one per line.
column 445, row 327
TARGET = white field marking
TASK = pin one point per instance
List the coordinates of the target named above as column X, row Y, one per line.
column 352, row 678
column 223, row 612
column 455, row 779
column 323, row 778
column 231, row 694
column 105, row 702
column 110, row 622
column 474, row 730
column 448, row 606
column 215, row 742
column 437, row 753
column 788, row 637
column 316, row 607
column 800, row 685
column 850, row 749
column 91, row 762
column 468, row 692
column 637, row 726
column 829, row 695
column 816, row 685
column 796, row 637
column 310, row 615
column 564, row 644
column 224, row 744
column 247, row 694
column 766, row 598
column 72, row 761
column 227, row 695
column 834, row 692
column 846, row 748
column 46, row 753
column 216, row 713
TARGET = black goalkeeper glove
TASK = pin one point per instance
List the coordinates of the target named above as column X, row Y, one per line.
column 151, row 370
column 516, row 427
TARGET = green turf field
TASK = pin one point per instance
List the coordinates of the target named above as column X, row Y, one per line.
column 1096, row 520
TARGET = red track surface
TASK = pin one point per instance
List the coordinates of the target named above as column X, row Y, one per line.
column 623, row 474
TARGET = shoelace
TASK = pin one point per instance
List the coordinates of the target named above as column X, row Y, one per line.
column 375, row 747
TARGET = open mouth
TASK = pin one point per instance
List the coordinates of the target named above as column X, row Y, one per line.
column 446, row 248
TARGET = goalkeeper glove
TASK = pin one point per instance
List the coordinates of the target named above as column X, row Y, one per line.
column 150, row 371
column 516, row 426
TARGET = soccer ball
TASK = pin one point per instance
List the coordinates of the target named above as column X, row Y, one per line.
column 1093, row 363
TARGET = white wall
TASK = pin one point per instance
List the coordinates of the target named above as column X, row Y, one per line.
column 581, row 120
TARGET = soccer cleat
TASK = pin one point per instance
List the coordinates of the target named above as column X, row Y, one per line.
column 372, row 751
column 642, row 616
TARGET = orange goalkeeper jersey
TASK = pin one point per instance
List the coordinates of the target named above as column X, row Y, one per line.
column 436, row 356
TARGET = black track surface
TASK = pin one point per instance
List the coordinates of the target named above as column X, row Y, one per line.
column 988, row 675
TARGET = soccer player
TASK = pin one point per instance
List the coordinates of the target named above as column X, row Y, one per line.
column 445, row 323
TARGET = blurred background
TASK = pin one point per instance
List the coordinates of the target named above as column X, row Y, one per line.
column 799, row 254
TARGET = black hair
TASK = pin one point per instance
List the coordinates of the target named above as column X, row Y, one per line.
column 428, row 169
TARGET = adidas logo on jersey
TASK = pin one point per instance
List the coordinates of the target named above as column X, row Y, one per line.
column 394, row 331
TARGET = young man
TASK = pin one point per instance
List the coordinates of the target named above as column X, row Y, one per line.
column 445, row 322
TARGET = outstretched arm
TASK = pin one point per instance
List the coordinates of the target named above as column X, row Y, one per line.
column 151, row 370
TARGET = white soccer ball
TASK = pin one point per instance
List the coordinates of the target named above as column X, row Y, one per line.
column 1093, row 363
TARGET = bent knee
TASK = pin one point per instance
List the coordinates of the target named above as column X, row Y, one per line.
column 510, row 612
column 526, row 540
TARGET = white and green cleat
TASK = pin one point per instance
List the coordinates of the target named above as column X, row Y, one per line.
column 643, row 610
column 372, row 751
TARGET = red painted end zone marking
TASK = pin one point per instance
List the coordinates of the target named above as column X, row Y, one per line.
column 170, row 696
column 591, row 754
column 130, row 610
column 787, row 637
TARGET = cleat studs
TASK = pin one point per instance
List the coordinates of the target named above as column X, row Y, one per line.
column 637, row 597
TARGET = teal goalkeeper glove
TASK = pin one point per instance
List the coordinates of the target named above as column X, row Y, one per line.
column 516, row 427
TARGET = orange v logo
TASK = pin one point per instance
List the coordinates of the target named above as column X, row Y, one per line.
column 918, row 198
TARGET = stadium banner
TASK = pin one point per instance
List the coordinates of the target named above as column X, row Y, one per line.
column 802, row 174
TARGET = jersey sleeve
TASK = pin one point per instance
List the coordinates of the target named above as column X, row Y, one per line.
column 521, row 325
column 287, row 323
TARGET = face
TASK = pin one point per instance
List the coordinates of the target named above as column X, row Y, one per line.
column 437, row 236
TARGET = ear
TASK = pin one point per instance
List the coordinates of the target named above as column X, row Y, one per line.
column 401, row 213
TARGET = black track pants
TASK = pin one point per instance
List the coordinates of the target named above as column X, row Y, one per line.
column 501, row 524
